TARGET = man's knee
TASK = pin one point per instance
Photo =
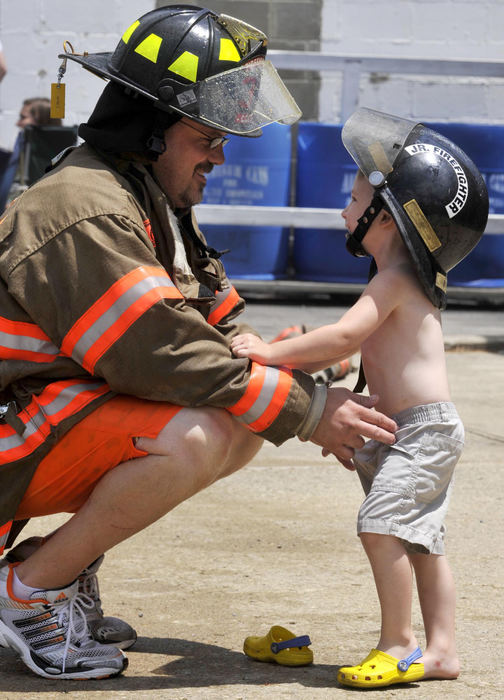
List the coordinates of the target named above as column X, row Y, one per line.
column 205, row 436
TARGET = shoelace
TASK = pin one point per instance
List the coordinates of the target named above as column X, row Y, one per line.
column 90, row 588
column 75, row 611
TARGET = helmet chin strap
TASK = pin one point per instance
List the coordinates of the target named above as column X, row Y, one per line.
column 354, row 246
column 354, row 240
column 361, row 379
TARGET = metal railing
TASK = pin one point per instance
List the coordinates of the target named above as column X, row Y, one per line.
column 352, row 67
column 295, row 217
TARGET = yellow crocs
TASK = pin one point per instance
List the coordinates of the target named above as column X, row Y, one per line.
column 280, row 646
column 379, row 669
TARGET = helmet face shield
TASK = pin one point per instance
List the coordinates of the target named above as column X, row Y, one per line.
column 374, row 139
column 240, row 101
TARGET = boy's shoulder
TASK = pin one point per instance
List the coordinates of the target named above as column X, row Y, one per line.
column 399, row 282
column 400, row 275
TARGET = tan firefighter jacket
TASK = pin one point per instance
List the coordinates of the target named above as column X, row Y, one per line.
column 104, row 291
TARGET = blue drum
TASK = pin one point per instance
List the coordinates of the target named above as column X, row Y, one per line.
column 484, row 144
column 256, row 172
column 325, row 175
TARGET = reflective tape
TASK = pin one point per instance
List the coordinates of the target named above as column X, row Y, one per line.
column 228, row 51
column 58, row 401
column 25, row 341
column 4, row 534
column 127, row 34
column 224, row 302
column 186, row 65
column 149, row 47
column 264, row 398
column 114, row 312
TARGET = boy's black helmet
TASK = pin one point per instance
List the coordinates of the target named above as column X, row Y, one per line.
column 433, row 190
column 209, row 67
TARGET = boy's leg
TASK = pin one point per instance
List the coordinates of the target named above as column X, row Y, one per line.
column 393, row 579
column 436, row 592
column 196, row 447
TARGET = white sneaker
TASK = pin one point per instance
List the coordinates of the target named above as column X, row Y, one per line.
column 50, row 633
column 106, row 630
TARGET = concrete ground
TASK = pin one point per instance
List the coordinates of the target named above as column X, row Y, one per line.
column 276, row 544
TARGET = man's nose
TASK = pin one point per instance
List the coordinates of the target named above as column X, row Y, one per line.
column 216, row 155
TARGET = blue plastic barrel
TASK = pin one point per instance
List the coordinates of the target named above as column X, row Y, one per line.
column 325, row 176
column 484, row 144
column 256, row 172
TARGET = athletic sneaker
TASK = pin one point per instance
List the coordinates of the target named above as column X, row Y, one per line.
column 50, row 633
column 106, row 630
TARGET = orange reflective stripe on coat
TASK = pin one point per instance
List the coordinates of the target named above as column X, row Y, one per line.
column 224, row 302
column 264, row 398
column 57, row 401
column 115, row 311
column 25, row 341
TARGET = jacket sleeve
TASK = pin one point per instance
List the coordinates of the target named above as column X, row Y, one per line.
column 101, row 295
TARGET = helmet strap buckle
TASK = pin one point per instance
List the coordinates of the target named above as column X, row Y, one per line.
column 156, row 143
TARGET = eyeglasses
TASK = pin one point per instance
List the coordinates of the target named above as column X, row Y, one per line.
column 212, row 142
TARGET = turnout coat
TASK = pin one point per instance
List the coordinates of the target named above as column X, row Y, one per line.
column 105, row 291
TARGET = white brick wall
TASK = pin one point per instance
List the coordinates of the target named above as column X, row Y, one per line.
column 444, row 29
column 32, row 33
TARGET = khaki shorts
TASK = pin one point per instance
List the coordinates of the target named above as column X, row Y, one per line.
column 408, row 484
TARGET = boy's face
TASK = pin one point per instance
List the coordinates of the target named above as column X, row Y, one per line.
column 362, row 194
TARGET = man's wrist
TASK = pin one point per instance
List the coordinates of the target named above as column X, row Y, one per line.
column 314, row 413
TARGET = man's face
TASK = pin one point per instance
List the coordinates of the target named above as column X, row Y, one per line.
column 181, row 169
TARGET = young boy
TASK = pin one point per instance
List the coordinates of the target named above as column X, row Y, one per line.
column 396, row 323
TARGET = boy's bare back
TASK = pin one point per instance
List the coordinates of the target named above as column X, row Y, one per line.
column 404, row 357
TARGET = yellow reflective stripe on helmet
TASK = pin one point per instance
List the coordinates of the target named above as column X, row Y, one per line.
column 149, row 47
column 186, row 66
column 228, row 51
column 129, row 31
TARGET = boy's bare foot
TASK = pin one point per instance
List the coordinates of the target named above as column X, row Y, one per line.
column 440, row 666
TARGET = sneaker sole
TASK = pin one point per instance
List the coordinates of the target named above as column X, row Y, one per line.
column 36, row 664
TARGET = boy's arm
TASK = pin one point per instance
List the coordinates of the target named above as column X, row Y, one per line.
column 326, row 345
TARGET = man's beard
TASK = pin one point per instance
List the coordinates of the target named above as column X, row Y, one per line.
column 187, row 197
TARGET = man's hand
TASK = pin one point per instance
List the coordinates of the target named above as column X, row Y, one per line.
column 346, row 419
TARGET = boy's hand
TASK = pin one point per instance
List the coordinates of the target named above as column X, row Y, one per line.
column 249, row 345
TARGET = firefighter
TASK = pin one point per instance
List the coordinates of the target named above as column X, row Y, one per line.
column 121, row 397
